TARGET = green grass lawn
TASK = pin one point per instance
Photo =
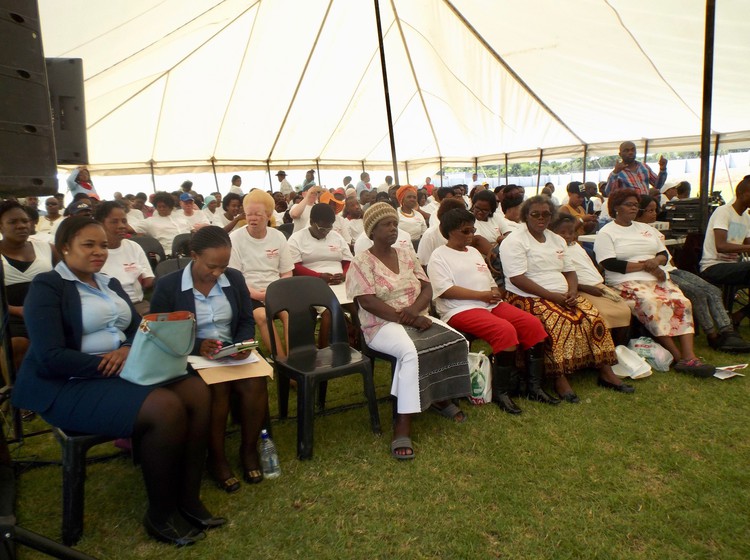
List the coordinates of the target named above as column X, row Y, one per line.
column 659, row 474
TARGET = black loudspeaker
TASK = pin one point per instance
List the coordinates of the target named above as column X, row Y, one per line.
column 28, row 164
column 65, row 79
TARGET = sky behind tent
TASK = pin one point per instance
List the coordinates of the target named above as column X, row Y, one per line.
column 290, row 82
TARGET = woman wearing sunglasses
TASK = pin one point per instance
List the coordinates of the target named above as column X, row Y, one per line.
column 540, row 278
column 468, row 299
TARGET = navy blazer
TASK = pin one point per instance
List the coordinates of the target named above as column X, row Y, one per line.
column 168, row 296
column 54, row 319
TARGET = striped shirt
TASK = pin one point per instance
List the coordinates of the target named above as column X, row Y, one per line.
column 638, row 179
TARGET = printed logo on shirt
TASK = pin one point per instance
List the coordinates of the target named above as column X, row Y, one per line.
column 405, row 243
column 130, row 267
column 481, row 266
column 333, row 248
column 560, row 254
column 646, row 233
column 272, row 253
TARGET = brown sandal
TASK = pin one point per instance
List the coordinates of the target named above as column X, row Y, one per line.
column 229, row 485
column 253, row 476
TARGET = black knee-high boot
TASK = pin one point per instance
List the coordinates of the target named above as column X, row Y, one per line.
column 503, row 374
column 535, row 375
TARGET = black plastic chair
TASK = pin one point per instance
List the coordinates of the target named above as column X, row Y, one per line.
column 305, row 363
column 181, row 245
column 170, row 265
column 74, row 450
column 286, row 229
column 152, row 247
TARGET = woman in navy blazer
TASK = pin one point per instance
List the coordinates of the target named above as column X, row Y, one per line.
column 220, row 300
column 70, row 376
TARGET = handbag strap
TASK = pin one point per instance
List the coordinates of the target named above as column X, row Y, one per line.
column 165, row 346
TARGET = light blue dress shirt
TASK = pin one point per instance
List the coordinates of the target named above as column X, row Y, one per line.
column 105, row 314
column 213, row 314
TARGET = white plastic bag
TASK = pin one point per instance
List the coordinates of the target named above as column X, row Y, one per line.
column 481, row 378
column 629, row 364
column 654, row 353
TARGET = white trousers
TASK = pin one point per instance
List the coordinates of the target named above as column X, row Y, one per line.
column 392, row 339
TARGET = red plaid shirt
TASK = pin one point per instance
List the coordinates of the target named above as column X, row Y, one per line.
column 639, row 179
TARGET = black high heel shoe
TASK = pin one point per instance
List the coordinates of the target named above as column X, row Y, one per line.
column 208, row 522
column 173, row 531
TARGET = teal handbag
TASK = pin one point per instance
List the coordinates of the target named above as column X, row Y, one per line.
column 161, row 348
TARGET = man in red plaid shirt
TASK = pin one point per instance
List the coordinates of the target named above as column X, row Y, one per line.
column 631, row 174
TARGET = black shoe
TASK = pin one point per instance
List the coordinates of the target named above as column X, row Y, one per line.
column 172, row 531
column 570, row 397
column 732, row 343
column 695, row 367
column 504, row 401
column 209, row 522
column 540, row 395
column 621, row 388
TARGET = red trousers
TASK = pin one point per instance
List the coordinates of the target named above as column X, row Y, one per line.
column 502, row 327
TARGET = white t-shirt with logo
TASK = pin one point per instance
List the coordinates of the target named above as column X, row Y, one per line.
column 431, row 240
column 164, row 229
column 261, row 261
column 544, row 263
column 320, row 255
column 737, row 228
column 634, row 243
column 414, row 225
column 128, row 263
column 198, row 217
column 587, row 273
column 465, row 269
column 355, row 226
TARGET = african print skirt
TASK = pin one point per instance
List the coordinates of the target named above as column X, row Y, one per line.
column 660, row 306
column 578, row 336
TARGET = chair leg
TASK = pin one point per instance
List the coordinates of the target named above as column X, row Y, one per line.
column 372, row 401
column 322, row 391
column 282, row 386
column 74, row 478
column 305, row 415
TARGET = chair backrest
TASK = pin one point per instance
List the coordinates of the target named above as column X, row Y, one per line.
column 152, row 247
column 181, row 245
column 298, row 296
column 170, row 265
column 286, row 229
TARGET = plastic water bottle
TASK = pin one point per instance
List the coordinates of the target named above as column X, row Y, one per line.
column 269, row 459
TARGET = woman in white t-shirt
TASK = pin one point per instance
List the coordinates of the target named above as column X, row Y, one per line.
column 706, row 299
column 319, row 251
column 126, row 260
column 489, row 223
column 541, row 279
column 634, row 258
column 409, row 218
column 468, row 299
column 22, row 259
column 262, row 255
column 163, row 225
column 614, row 309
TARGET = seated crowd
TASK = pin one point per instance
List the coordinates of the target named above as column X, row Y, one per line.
column 420, row 270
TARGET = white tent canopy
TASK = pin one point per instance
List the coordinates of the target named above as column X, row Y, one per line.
column 178, row 84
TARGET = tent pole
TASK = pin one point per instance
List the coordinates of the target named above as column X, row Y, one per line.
column 153, row 179
column 476, row 166
column 270, row 180
column 716, row 157
column 645, row 150
column 441, row 171
column 539, row 170
column 387, row 95
column 585, row 157
column 406, row 167
column 506, row 168
column 708, row 79
column 363, row 166
column 216, row 179
column 317, row 169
